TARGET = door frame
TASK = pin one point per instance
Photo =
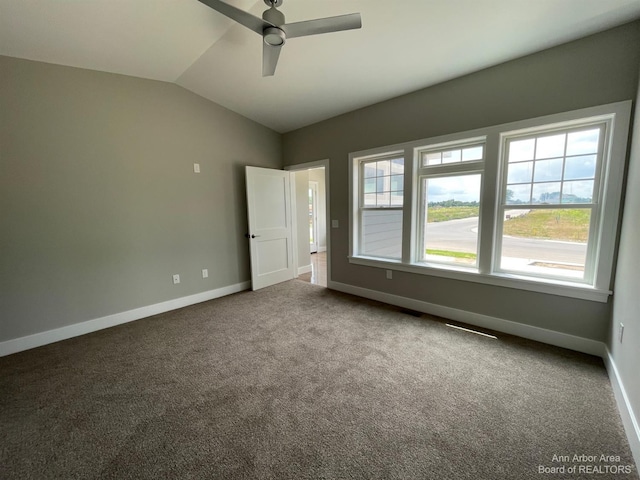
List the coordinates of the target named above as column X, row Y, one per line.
column 327, row 199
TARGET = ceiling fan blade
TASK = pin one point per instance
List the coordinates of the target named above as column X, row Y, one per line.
column 244, row 18
column 322, row 25
column 270, row 56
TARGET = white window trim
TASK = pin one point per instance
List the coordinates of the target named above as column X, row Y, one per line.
column 618, row 114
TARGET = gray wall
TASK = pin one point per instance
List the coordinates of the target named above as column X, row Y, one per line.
column 596, row 70
column 99, row 204
column 626, row 302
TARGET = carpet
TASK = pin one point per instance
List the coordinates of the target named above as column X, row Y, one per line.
column 299, row 382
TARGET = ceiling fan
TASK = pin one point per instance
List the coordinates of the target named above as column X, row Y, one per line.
column 275, row 31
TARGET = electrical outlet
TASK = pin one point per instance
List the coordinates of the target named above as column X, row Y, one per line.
column 196, row 168
column 620, row 332
column 205, row 273
column 389, row 274
column 176, row 279
column 335, row 224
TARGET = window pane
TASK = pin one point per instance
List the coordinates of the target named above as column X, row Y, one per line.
column 385, row 176
column 526, row 245
column 520, row 172
column 549, row 147
column 546, row 193
column 369, row 169
column 517, row 194
column 521, row 150
column 451, row 219
column 451, row 156
column 579, row 143
column 580, row 167
column 548, row 170
column 382, row 233
column 370, row 185
column 384, row 167
column 397, row 182
column 397, row 166
column 555, row 178
column 397, row 198
column 577, row 192
column 472, row 153
column 432, row 158
column 370, row 200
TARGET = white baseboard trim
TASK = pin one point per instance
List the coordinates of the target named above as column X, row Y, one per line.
column 322, row 249
column 43, row 338
column 305, row 269
column 629, row 420
column 559, row 339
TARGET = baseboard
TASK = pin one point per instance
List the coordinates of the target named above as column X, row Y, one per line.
column 37, row 340
column 322, row 249
column 305, row 269
column 559, row 339
column 629, row 420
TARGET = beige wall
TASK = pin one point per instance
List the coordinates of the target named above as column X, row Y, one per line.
column 626, row 301
column 99, row 204
column 596, row 70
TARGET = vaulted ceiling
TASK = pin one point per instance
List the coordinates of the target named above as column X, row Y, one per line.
column 403, row 46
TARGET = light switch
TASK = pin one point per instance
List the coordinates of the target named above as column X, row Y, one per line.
column 196, row 168
column 334, row 224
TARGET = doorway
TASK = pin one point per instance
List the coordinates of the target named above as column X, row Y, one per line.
column 310, row 190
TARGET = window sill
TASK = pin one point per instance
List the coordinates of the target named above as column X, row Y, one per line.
column 547, row 286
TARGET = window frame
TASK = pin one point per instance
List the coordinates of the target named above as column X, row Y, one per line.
column 493, row 182
column 361, row 207
column 604, row 126
column 425, row 172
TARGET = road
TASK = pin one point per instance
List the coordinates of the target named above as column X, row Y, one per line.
column 461, row 235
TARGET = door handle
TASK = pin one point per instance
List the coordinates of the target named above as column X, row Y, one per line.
column 250, row 236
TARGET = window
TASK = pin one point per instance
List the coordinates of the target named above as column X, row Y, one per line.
column 550, row 200
column 531, row 204
column 450, row 203
column 381, row 201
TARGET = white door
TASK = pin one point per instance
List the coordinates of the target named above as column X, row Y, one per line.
column 270, row 232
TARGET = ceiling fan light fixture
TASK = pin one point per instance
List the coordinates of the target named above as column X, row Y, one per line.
column 274, row 37
column 274, row 29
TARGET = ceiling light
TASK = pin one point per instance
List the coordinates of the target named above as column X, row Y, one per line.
column 274, row 37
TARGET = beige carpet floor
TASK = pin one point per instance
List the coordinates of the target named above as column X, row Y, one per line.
column 299, row 382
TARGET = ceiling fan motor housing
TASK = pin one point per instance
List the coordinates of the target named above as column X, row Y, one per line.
column 274, row 36
column 273, row 16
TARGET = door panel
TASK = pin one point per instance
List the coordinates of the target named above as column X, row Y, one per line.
column 270, row 232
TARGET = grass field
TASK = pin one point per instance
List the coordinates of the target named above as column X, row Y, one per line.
column 567, row 225
column 465, row 256
column 557, row 224
column 442, row 214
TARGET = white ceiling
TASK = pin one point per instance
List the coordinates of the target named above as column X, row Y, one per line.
column 403, row 46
